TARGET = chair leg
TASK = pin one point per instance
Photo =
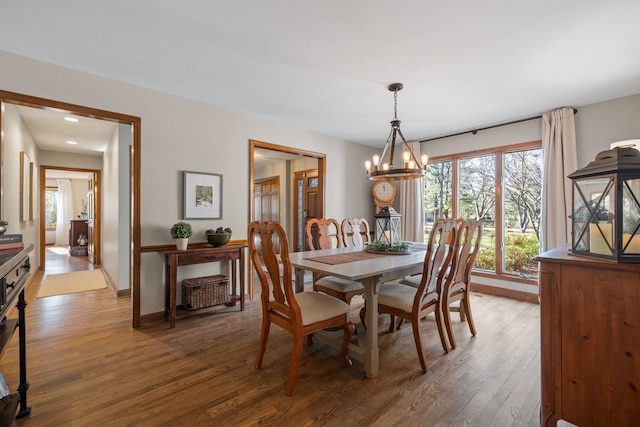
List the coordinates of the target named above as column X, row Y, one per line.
column 416, row 337
column 392, row 323
column 349, row 329
column 296, row 354
column 264, row 337
column 443, row 340
column 463, row 317
column 467, row 310
column 446, row 313
column 400, row 323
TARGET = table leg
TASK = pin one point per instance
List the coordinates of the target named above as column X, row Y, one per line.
column 241, row 267
column 371, row 357
column 234, row 282
column 172, row 290
column 299, row 280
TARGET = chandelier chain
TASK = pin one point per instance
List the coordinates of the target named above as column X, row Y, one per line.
column 395, row 105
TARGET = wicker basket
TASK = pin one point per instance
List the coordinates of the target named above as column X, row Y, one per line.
column 200, row 292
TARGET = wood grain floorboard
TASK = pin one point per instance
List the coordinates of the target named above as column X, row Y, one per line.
column 88, row 367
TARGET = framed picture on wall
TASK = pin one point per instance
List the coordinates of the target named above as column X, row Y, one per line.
column 25, row 187
column 202, row 195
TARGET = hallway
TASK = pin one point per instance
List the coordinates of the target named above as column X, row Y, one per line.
column 58, row 260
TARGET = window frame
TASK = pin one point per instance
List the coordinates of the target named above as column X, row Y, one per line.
column 499, row 152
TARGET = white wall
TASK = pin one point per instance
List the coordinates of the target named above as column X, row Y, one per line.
column 110, row 208
column 179, row 135
column 17, row 138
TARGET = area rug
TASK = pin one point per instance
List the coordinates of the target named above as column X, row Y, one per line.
column 70, row 283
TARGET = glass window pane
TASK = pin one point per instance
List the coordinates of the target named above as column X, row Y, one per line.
column 522, row 208
column 437, row 193
column 477, row 188
column 51, row 207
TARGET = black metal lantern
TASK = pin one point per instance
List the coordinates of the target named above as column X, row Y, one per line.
column 606, row 207
column 388, row 226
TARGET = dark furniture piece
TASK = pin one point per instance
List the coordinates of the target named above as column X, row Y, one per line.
column 77, row 226
column 590, row 340
column 14, row 272
column 197, row 255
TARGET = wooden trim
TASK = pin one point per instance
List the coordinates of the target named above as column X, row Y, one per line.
column 124, row 293
column 135, row 122
column 43, row 229
column 476, row 153
column 507, row 293
column 152, row 318
column 504, row 276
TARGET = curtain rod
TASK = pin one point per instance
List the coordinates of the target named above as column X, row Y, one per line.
column 475, row 131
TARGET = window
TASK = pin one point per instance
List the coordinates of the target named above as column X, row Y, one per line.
column 503, row 188
column 51, row 207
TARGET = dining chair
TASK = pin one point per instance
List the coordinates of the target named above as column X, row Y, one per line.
column 414, row 304
column 355, row 232
column 302, row 313
column 324, row 233
column 458, row 287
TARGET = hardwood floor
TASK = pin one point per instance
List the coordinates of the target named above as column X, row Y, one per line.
column 88, row 367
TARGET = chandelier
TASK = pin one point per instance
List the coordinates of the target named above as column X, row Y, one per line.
column 411, row 167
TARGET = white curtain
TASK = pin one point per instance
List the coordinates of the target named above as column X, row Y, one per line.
column 65, row 211
column 410, row 204
column 560, row 159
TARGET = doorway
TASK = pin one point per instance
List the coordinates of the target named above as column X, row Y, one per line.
column 132, row 172
column 84, row 254
column 269, row 157
column 306, row 199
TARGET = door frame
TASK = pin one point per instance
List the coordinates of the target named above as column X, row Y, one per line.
column 97, row 209
column 134, row 184
column 322, row 174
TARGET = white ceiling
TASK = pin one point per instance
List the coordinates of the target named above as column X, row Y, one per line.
column 325, row 65
column 51, row 131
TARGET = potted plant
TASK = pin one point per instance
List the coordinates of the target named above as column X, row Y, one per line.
column 180, row 232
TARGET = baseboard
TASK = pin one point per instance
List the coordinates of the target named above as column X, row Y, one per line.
column 151, row 318
column 507, row 293
column 124, row 293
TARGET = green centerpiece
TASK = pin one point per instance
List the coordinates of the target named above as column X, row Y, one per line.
column 398, row 248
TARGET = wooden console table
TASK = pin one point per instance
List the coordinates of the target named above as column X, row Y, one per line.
column 175, row 258
column 590, row 340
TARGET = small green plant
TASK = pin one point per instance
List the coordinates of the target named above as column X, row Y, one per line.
column 181, row 230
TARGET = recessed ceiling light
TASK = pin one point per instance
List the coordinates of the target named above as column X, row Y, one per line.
column 72, row 142
column 71, row 119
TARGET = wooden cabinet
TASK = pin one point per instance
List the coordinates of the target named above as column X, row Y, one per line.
column 590, row 340
column 14, row 273
column 77, row 226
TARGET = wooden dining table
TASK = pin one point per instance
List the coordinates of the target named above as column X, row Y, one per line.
column 369, row 269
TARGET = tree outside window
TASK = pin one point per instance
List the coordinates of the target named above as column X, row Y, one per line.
column 51, row 207
column 501, row 187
